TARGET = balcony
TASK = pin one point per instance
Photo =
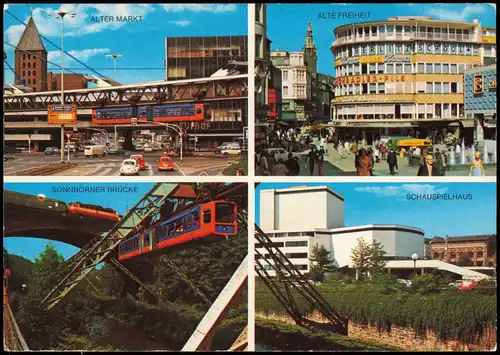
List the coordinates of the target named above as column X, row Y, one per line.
column 405, row 37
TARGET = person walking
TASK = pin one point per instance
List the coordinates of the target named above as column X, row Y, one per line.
column 279, row 169
column 458, row 150
column 364, row 163
column 311, row 156
column 369, row 154
column 428, row 168
column 264, row 164
column 392, row 160
column 320, row 157
column 376, row 154
column 476, row 167
column 439, row 162
column 292, row 165
column 410, row 157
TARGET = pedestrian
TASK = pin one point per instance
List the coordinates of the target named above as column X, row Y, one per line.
column 439, row 162
column 264, row 164
column 292, row 165
column 341, row 151
column 311, row 156
column 320, row 156
column 279, row 169
column 347, row 146
column 356, row 162
column 364, row 163
column 428, row 168
column 369, row 154
column 410, row 157
column 476, row 167
column 458, row 150
column 376, row 153
column 392, row 160
column 383, row 151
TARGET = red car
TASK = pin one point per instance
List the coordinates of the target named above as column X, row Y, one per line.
column 165, row 163
column 140, row 161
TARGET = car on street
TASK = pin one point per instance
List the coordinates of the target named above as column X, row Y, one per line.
column 464, row 285
column 140, row 161
column 165, row 163
column 277, row 154
column 129, row 167
column 95, row 150
column 148, row 148
column 226, row 145
column 228, row 150
column 51, row 150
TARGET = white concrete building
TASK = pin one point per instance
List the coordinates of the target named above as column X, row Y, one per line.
column 293, row 71
column 299, row 218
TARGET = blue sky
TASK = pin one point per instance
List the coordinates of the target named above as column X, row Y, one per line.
column 385, row 203
column 30, row 248
column 141, row 43
column 287, row 23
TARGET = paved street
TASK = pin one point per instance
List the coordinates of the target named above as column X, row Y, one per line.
column 207, row 164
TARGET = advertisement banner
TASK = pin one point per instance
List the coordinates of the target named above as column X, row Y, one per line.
column 61, row 114
column 272, row 103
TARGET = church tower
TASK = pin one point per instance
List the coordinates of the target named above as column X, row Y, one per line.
column 309, row 49
column 31, row 59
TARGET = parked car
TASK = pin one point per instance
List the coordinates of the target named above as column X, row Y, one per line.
column 228, row 150
column 129, row 167
column 95, row 150
column 148, row 148
column 226, row 145
column 51, row 150
column 140, row 161
column 165, row 163
column 277, row 154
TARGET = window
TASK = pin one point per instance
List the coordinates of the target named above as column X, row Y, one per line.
column 297, row 255
column 29, row 65
column 437, row 88
column 296, row 244
column 29, row 81
column 461, row 68
column 373, row 88
column 285, row 90
column 34, row 73
column 34, row 81
column 446, row 88
column 446, row 68
column 399, row 68
column 24, row 65
column 24, row 73
column 34, row 64
column 24, row 56
column 381, row 88
column 301, row 267
column 285, row 74
column 421, row 68
column 428, row 68
column 399, row 48
column 454, row 69
column 407, row 68
column 207, row 216
column 390, row 48
column 390, row 29
column 428, row 88
column 389, row 68
column 29, row 72
column 374, row 30
column 372, row 69
column 454, row 88
column 437, row 68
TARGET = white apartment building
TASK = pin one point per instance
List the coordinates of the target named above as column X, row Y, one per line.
column 299, row 218
column 293, row 71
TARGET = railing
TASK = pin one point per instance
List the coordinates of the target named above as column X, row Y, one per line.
column 405, row 36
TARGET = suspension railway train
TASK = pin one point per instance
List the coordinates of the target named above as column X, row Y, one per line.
column 157, row 113
column 209, row 222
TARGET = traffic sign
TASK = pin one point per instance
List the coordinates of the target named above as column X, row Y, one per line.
column 245, row 135
column 181, row 134
column 134, row 121
column 61, row 114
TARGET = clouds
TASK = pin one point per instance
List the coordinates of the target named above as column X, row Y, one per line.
column 83, row 55
column 449, row 12
column 401, row 190
column 181, row 23
column 214, row 8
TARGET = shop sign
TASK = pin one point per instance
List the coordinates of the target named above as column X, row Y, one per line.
column 492, row 84
column 61, row 114
column 272, row 103
column 391, row 58
column 374, row 78
column 478, row 84
column 375, row 98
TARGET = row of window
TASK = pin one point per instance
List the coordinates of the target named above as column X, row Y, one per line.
column 399, row 88
column 400, row 29
column 291, row 234
column 298, row 90
column 29, row 65
column 302, row 243
column 454, row 255
column 298, row 75
column 399, row 111
column 288, row 255
column 356, row 50
column 29, row 73
column 31, row 81
column 401, row 68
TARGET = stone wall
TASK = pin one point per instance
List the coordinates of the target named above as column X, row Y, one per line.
column 401, row 337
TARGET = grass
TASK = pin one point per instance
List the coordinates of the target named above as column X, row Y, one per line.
column 241, row 164
column 310, row 340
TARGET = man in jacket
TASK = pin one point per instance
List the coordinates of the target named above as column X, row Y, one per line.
column 392, row 160
column 428, row 168
column 292, row 165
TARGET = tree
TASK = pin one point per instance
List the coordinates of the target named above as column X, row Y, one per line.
column 321, row 263
column 368, row 259
column 377, row 260
column 360, row 257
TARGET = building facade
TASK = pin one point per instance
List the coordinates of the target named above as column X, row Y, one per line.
column 297, row 231
column 404, row 76
column 480, row 91
column 200, row 57
column 478, row 250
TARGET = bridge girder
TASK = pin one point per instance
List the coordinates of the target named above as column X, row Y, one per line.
column 196, row 90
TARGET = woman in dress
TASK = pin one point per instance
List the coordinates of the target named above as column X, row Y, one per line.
column 476, row 167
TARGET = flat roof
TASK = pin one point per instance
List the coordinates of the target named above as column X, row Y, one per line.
column 373, row 227
column 306, row 188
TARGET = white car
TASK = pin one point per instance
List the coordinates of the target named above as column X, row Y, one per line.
column 230, row 150
column 148, row 148
column 129, row 167
column 277, row 154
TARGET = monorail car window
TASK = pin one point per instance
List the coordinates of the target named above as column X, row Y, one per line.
column 224, row 212
column 146, row 238
column 207, row 216
column 189, row 223
column 178, row 227
column 196, row 219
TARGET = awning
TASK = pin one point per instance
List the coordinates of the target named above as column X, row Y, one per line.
column 218, row 135
column 467, row 123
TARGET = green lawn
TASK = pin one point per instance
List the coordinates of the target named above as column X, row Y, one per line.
column 241, row 164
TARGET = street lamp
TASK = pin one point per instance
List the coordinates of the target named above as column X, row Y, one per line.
column 60, row 15
column 415, row 257
column 114, row 56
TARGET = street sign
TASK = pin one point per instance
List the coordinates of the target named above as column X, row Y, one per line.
column 61, row 114
column 245, row 135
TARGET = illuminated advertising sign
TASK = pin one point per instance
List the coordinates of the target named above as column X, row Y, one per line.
column 478, row 84
column 272, row 103
column 61, row 114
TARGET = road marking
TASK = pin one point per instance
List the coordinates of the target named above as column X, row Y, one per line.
column 150, row 170
column 203, row 173
column 179, row 168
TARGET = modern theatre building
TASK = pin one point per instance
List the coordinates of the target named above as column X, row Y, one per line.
column 404, row 76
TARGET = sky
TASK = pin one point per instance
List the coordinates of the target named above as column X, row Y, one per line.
column 30, row 248
column 386, row 203
column 292, row 37
column 142, row 43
